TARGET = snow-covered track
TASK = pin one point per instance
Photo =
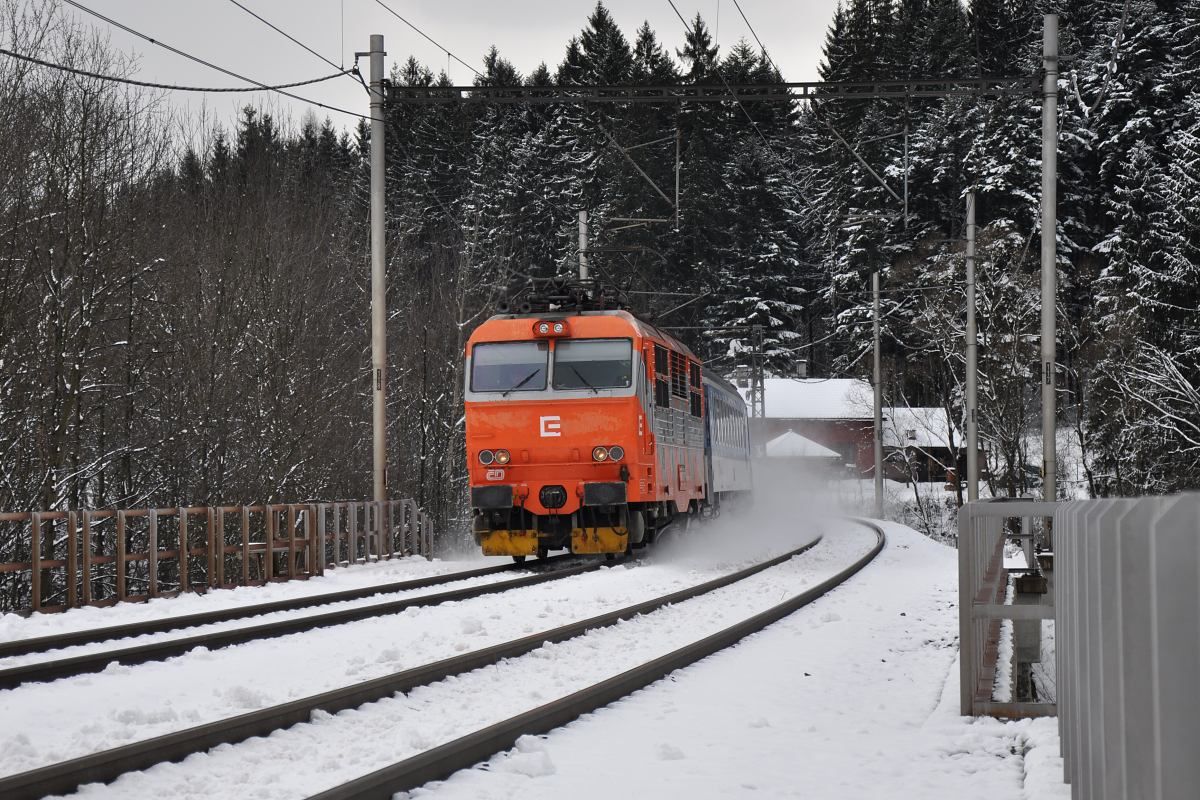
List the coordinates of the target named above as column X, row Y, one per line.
column 42, row 644
column 106, row 766
column 441, row 762
column 156, row 651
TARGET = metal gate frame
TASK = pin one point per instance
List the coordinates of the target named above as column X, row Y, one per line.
column 982, row 585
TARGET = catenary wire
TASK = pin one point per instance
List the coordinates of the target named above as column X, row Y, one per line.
column 767, row 55
column 169, row 86
column 429, row 38
column 753, row 33
column 286, row 35
column 716, row 71
column 261, row 86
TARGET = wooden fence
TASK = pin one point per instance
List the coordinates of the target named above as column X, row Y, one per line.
column 69, row 559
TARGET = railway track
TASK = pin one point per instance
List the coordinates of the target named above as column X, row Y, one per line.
column 439, row 762
column 443, row 761
column 42, row 644
column 156, row 651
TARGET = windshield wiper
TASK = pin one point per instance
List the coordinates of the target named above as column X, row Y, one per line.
column 582, row 379
column 522, row 382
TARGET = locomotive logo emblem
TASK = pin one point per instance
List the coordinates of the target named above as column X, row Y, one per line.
column 495, row 474
column 551, row 426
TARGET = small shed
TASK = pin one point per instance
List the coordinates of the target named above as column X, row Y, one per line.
column 797, row 454
column 793, row 445
column 835, row 413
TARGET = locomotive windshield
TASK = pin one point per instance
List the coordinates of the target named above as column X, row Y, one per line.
column 509, row 367
column 593, row 363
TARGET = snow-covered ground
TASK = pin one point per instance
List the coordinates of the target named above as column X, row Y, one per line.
column 50, row 722
column 336, row 748
column 855, row 696
column 296, row 589
column 14, row 626
column 852, row 696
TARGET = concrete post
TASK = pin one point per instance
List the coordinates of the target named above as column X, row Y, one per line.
column 878, row 383
column 972, row 360
column 1049, row 253
column 378, row 277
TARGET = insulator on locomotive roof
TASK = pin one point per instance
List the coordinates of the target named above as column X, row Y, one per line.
column 561, row 293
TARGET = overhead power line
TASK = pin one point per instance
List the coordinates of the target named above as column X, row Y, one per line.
column 286, row 35
column 261, row 86
column 429, row 38
column 816, row 114
column 170, row 86
column 766, row 55
column 717, row 71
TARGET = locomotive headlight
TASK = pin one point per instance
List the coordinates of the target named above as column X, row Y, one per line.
column 503, row 457
column 599, row 453
column 544, row 327
column 558, row 327
column 486, row 457
column 616, row 452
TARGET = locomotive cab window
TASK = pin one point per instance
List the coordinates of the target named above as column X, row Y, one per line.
column 593, row 364
column 509, row 367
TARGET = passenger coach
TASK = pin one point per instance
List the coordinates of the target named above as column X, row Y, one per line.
column 592, row 431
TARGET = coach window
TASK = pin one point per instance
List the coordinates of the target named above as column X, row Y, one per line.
column 593, row 364
column 509, row 367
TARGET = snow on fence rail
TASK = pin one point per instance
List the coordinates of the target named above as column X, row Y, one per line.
column 67, row 559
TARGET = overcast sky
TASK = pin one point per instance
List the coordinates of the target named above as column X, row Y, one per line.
column 527, row 32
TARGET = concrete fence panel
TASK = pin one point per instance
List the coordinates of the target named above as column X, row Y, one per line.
column 1126, row 577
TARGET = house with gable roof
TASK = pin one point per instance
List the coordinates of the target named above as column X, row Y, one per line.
column 838, row 414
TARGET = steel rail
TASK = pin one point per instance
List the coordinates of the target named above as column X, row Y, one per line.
column 441, row 762
column 41, row 644
column 157, row 651
column 108, row 765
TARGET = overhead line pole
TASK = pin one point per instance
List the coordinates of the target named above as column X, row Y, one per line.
column 378, row 277
column 878, row 402
column 972, row 360
column 1049, row 255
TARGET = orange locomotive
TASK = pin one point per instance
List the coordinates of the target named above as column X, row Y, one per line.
column 592, row 430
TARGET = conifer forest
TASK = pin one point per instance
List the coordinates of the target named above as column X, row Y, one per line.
column 184, row 307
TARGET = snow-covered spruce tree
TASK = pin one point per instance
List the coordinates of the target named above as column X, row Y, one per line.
column 758, row 256
column 707, row 139
column 1131, row 108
